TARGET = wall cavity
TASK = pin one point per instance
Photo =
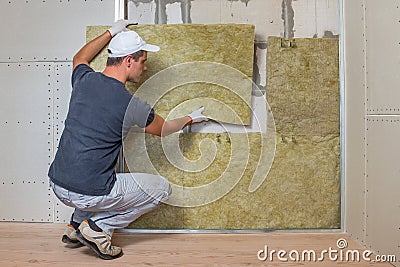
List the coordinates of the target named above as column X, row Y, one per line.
column 243, row 1
column 138, row 2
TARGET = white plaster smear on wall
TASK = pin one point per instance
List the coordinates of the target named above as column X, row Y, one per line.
column 143, row 12
column 312, row 18
column 174, row 13
column 261, row 55
column 206, row 11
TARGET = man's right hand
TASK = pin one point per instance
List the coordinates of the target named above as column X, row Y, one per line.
column 120, row 26
column 197, row 115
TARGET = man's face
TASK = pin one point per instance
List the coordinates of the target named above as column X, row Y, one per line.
column 137, row 68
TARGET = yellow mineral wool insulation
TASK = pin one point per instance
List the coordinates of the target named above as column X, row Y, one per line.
column 197, row 65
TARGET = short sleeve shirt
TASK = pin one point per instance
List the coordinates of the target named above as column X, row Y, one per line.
column 92, row 138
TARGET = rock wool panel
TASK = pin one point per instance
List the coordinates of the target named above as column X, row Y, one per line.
column 303, row 85
column 302, row 188
column 304, row 94
column 297, row 193
column 197, row 65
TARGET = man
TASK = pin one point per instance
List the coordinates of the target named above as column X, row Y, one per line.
column 82, row 174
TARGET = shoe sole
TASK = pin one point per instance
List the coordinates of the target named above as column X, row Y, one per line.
column 71, row 243
column 94, row 247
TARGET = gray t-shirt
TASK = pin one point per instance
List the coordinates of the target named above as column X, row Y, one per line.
column 92, row 137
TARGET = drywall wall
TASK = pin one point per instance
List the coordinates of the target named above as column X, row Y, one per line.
column 57, row 28
column 355, row 105
column 40, row 40
column 372, row 204
column 382, row 22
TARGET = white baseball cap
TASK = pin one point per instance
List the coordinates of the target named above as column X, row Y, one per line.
column 128, row 42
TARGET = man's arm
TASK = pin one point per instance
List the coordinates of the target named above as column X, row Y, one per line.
column 160, row 127
column 91, row 49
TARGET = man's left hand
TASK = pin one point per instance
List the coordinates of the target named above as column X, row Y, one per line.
column 120, row 26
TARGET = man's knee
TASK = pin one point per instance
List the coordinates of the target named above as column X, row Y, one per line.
column 155, row 186
column 166, row 187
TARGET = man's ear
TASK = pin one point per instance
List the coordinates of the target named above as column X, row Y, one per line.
column 128, row 60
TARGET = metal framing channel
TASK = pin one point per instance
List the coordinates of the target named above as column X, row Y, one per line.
column 222, row 231
column 121, row 9
column 365, row 118
column 121, row 12
column 342, row 112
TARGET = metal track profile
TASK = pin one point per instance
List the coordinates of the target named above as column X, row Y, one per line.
column 121, row 9
column 224, row 231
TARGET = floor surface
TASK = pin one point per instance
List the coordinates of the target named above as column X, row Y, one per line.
column 39, row 244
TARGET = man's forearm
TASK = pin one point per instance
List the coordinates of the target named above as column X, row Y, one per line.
column 175, row 125
column 160, row 127
column 91, row 49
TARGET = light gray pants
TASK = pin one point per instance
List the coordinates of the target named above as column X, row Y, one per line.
column 133, row 195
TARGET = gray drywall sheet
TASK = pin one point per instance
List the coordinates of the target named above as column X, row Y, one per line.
column 382, row 29
column 372, row 116
column 382, row 33
column 382, row 185
column 26, row 147
column 40, row 37
column 61, row 97
column 48, row 30
column 354, row 114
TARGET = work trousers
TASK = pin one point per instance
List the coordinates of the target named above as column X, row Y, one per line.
column 133, row 195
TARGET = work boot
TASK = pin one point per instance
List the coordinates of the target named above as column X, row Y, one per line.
column 98, row 241
column 69, row 237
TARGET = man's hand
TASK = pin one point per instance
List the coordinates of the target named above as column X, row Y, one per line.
column 163, row 128
column 197, row 115
column 120, row 26
column 92, row 48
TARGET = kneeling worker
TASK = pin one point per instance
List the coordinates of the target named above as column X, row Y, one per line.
column 82, row 174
